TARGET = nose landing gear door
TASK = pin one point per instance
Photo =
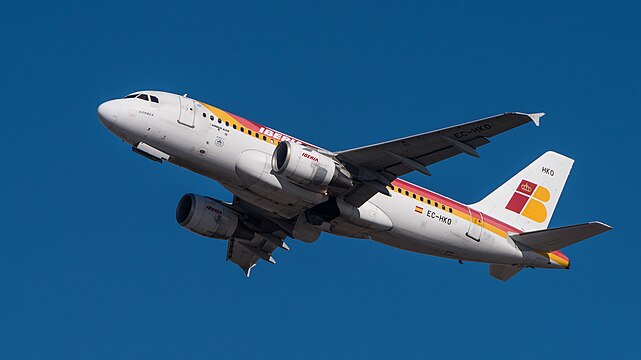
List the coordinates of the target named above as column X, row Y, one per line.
column 187, row 111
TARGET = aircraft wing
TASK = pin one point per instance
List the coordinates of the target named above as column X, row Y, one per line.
column 379, row 164
column 268, row 237
column 246, row 253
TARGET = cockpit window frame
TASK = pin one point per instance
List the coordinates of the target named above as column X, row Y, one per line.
column 144, row 97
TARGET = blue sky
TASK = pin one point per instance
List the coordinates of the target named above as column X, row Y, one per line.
column 93, row 265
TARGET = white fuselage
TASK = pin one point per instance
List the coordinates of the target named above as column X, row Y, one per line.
column 237, row 153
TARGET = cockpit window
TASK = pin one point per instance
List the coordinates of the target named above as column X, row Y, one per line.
column 144, row 97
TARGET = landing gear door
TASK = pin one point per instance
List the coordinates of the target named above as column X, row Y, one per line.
column 476, row 225
column 187, row 111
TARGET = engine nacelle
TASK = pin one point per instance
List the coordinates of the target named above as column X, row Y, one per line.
column 307, row 167
column 209, row 218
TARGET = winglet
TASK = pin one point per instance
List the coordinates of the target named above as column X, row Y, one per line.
column 536, row 118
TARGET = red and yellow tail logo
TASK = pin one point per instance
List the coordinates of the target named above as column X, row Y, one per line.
column 528, row 201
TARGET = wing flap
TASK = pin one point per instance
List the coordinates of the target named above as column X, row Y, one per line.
column 246, row 253
column 268, row 236
column 558, row 238
column 240, row 255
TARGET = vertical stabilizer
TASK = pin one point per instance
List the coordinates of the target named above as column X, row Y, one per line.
column 528, row 199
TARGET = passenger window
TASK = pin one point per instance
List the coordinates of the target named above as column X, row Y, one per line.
column 211, row 117
column 264, row 137
column 421, row 199
column 257, row 136
column 407, row 193
column 429, row 202
column 414, row 196
column 249, row 132
column 154, row 99
column 234, row 126
column 219, row 121
column 436, row 204
column 226, row 123
column 143, row 97
column 242, row 129
column 450, row 209
column 204, row 115
column 400, row 190
column 443, row 207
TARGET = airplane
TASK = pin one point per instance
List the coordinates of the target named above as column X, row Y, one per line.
column 285, row 187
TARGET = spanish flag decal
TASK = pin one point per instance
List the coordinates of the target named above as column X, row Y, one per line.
column 418, row 209
column 528, row 200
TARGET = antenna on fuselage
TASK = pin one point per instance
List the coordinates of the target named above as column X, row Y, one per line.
column 185, row 95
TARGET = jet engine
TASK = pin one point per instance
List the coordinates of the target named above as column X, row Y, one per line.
column 209, row 218
column 307, row 167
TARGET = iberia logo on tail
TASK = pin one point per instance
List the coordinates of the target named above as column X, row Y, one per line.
column 528, row 201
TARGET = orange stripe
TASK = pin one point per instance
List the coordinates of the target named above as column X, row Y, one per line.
column 250, row 125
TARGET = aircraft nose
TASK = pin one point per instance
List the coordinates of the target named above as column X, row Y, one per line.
column 108, row 113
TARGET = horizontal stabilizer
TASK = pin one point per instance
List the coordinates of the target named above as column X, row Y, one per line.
column 555, row 239
column 504, row 272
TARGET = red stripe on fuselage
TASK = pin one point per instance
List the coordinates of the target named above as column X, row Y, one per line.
column 428, row 194
column 453, row 204
column 256, row 128
column 463, row 208
column 247, row 123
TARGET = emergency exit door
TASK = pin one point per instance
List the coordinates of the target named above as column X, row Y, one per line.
column 187, row 112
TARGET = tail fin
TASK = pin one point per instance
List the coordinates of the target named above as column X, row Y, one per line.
column 528, row 199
